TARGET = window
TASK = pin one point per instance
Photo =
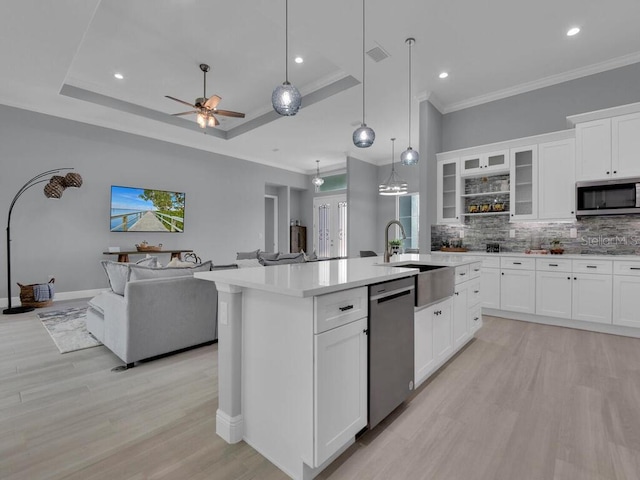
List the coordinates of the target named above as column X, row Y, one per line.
column 408, row 213
column 330, row 226
column 333, row 183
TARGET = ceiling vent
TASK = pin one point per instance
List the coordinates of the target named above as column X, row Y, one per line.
column 377, row 54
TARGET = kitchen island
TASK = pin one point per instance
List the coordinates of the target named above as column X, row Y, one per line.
column 292, row 355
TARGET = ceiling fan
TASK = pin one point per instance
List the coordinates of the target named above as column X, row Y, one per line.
column 206, row 108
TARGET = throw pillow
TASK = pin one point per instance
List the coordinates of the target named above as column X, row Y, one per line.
column 175, row 263
column 291, row 256
column 247, row 255
column 148, row 273
column 262, row 256
column 248, row 263
column 148, row 262
column 118, row 275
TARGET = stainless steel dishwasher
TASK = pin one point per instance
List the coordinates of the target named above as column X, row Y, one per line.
column 391, row 332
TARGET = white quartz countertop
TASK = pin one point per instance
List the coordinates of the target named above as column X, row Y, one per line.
column 574, row 256
column 318, row 278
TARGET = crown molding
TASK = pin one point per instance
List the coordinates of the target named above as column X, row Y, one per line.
column 544, row 82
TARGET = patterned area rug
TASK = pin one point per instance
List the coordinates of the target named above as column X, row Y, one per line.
column 68, row 329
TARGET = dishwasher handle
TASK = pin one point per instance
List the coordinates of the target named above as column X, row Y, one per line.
column 393, row 293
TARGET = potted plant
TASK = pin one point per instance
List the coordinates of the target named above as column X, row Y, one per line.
column 556, row 246
column 395, row 245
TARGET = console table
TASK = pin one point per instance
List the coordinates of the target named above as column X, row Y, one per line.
column 124, row 256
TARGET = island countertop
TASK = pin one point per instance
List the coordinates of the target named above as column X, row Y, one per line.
column 318, row 278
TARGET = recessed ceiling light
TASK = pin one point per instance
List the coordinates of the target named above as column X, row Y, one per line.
column 119, row 76
column 573, row 31
column 299, row 59
column 443, row 75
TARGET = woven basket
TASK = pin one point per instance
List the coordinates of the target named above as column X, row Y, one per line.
column 27, row 298
column 149, row 248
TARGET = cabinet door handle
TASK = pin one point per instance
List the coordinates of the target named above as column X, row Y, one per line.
column 502, row 273
column 365, row 331
column 634, row 268
column 475, row 319
column 553, row 264
column 568, row 278
column 607, row 173
column 463, row 274
column 476, row 291
column 575, row 278
column 592, row 266
column 457, row 293
column 517, row 263
column 344, row 309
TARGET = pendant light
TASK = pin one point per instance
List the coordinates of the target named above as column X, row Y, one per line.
column 286, row 99
column 394, row 185
column 317, row 180
column 410, row 156
column 363, row 136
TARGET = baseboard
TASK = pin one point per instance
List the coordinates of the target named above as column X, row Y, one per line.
column 231, row 429
column 59, row 296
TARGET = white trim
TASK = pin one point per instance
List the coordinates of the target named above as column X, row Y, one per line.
column 544, row 82
column 231, row 429
column 604, row 113
column 567, row 323
column 60, row 296
column 276, row 244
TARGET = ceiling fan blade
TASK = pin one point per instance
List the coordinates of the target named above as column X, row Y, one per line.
column 181, row 101
column 183, row 113
column 212, row 102
column 229, row 113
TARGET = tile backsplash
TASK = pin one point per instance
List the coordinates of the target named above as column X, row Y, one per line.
column 611, row 235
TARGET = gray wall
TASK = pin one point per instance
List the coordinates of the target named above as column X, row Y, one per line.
column 66, row 238
column 540, row 111
column 362, row 198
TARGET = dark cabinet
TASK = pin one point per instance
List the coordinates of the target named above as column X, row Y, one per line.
column 297, row 238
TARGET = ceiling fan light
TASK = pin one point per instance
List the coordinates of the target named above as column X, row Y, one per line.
column 363, row 136
column 211, row 122
column 409, row 157
column 202, row 121
column 286, row 99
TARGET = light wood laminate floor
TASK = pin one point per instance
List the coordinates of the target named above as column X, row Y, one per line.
column 522, row 401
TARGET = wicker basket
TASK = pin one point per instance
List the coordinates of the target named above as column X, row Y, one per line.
column 27, row 298
column 148, row 248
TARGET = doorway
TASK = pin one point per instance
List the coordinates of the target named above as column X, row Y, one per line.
column 330, row 226
column 270, row 223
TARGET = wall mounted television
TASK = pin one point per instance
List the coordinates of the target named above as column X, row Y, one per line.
column 146, row 210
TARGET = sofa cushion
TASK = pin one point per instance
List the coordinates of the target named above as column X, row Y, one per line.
column 247, row 255
column 286, row 258
column 148, row 262
column 147, row 273
column 248, row 263
column 118, row 275
column 97, row 303
column 224, row 267
column 262, row 256
column 291, row 256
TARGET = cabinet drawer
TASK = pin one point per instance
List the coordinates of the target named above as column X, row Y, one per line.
column 474, row 269
column 593, row 266
column 462, row 273
column 491, row 262
column 627, row 267
column 335, row 309
column 553, row 265
column 475, row 319
column 474, row 293
column 515, row 263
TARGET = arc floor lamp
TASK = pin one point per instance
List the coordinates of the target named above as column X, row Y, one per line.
column 53, row 189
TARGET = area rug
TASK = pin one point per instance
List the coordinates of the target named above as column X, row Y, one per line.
column 68, row 329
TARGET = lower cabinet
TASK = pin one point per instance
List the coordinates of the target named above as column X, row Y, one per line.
column 461, row 315
column 340, row 385
column 518, row 290
column 433, row 341
column 592, row 297
column 626, row 300
column 553, row 294
column 490, row 286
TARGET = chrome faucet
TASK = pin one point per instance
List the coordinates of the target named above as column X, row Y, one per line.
column 387, row 250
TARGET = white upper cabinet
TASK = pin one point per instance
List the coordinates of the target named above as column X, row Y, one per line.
column 608, row 148
column 593, row 150
column 556, row 191
column 448, row 185
column 524, row 183
column 479, row 164
column 625, row 152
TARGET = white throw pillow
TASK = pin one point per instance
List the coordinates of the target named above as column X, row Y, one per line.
column 248, row 263
column 147, row 273
column 118, row 275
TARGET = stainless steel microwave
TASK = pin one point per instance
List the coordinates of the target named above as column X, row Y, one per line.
column 608, row 197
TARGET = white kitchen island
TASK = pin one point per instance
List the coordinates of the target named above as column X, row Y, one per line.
column 292, row 356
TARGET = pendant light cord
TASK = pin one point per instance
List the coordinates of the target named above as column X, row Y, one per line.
column 393, row 154
column 286, row 41
column 363, row 62
column 410, row 44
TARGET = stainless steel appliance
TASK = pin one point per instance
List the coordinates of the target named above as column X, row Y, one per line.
column 391, row 332
column 433, row 283
column 608, row 197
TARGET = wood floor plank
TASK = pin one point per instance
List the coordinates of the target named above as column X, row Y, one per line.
column 522, row 401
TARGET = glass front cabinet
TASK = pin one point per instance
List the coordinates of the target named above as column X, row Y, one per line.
column 524, row 183
column 448, row 191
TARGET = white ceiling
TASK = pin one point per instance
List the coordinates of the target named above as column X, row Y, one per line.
column 491, row 49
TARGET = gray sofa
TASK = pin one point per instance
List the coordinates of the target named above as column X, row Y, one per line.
column 154, row 317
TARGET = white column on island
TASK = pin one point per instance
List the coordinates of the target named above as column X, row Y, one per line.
column 229, row 422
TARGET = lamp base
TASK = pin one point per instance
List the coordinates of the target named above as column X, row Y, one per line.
column 15, row 310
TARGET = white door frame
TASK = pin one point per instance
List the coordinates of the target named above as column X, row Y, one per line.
column 275, row 221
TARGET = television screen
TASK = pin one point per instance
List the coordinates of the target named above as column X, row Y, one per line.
column 146, row 210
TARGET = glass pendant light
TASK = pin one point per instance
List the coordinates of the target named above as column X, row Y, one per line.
column 286, row 98
column 394, row 185
column 317, row 180
column 409, row 156
column 363, row 136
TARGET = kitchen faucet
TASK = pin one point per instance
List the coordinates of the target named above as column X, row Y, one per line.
column 387, row 254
